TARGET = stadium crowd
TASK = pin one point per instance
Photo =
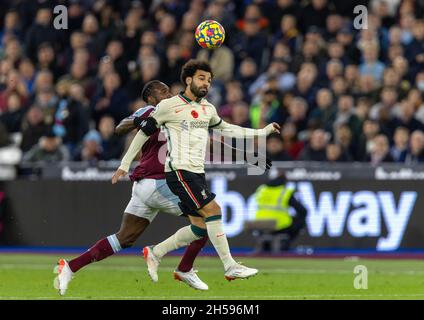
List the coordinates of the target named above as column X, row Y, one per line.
column 339, row 93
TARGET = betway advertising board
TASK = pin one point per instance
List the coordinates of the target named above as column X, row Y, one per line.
column 341, row 214
column 348, row 208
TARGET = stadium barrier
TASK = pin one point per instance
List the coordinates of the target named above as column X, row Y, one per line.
column 350, row 206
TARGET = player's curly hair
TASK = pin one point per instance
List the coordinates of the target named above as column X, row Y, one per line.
column 191, row 66
column 149, row 87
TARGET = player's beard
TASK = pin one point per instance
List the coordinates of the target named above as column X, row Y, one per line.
column 199, row 93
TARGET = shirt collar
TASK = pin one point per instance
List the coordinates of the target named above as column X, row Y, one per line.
column 187, row 99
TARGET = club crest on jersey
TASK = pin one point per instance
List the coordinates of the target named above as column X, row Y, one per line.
column 194, row 114
column 203, row 193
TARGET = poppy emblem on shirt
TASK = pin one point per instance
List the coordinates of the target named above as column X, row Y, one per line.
column 194, row 114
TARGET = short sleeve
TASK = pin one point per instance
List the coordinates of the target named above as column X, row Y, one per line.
column 215, row 119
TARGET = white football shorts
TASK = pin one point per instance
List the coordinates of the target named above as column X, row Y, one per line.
column 151, row 196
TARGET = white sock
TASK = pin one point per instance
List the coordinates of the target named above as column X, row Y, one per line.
column 181, row 238
column 114, row 243
column 219, row 240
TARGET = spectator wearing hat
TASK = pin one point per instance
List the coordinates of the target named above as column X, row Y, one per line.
column 49, row 149
column 91, row 148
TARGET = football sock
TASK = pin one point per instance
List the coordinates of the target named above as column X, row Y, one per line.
column 191, row 253
column 181, row 238
column 219, row 240
column 102, row 249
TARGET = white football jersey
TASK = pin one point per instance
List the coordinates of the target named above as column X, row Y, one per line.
column 186, row 125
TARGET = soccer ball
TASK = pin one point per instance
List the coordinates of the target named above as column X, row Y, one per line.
column 210, row 34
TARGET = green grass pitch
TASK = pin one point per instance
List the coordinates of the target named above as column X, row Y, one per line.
column 125, row 277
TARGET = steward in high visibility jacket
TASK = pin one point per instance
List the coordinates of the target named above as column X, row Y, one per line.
column 274, row 200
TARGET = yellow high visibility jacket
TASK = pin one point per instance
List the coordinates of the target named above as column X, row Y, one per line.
column 273, row 203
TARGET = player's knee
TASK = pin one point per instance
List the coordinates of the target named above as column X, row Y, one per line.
column 211, row 209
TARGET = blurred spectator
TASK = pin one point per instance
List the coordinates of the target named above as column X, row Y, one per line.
column 371, row 64
column 234, row 94
column 112, row 100
column 33, row 127
column 134, row 25
column 297, row 113
column 71, row 120
column 335, row 153
column 314, row 14
column 49, row 149
column 221, row 61
column 415, row 50
column 167, row 32
column 240, row 114
column 305, row 83
column 112, row 145
column 27, row 71
column 275, row 54
column 115, row 51
column 400, row 147
column 41, row 31
column 291, row 144
column 13, row 51
column 388, row 100
column 325, row 113
column 251, row 41
column 282, row 9
column 277, row 69
column 247, row 74
column 95, row 38
column 275, row 148
column 16, row 85
column 416, row 148
column 346, row 115
column 344, row 137
column 46, row 59
column 316, row 149
column 263, row 109
column 379, row 150
column 91, row 148
column 170, row 66
column 406, row 117
column 12, row 27
column 288, row 32
column 12, row 117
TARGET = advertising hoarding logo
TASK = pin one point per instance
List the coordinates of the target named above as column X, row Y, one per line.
column 359, row 214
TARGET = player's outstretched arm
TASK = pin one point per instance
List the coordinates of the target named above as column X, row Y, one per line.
column 126, row 125
column 136, row 145
column 234, row 131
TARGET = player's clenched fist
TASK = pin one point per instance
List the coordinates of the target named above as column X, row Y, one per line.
column 118, row 174
column 272, row 127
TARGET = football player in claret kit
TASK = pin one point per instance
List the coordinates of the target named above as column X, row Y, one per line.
column 187, row 118
column 150, row 194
